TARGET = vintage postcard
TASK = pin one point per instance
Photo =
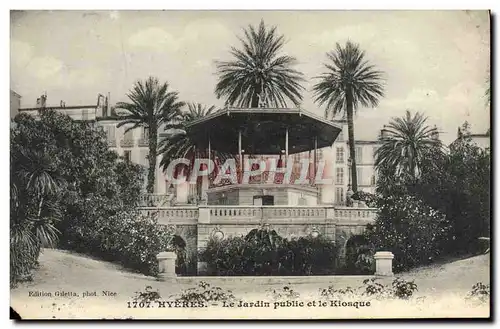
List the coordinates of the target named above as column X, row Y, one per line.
column 250, row 164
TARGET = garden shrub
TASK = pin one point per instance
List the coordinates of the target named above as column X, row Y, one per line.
column 480, row 293
column 205, row 293
column 264, row 252
column 85, row 196
column 129, row 238
column 372, row 288
column 411, row 230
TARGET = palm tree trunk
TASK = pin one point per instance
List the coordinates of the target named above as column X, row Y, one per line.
column 153, row 141
column 255, row 101
column 352, row 147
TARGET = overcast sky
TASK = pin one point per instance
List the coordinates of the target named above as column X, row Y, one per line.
column 434, row 62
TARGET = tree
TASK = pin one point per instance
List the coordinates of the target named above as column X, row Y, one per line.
column 349, row 82
column 152, row 106
column 409, row 140
column 179, row 144
column 34, row 181
column 259, row 76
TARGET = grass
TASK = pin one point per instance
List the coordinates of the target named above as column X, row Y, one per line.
column 441, row 292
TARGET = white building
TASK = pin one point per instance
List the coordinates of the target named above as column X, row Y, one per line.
column 338, row 156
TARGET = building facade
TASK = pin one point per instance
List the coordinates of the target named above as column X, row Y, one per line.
column 338, row 157
column 15, row 103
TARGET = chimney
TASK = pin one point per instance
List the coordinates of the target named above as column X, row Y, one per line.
column 43, row 100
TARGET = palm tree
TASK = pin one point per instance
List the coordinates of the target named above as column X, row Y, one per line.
column 259, row 76
column 179, row 145
column 407, row 143
column 348, row 83
column 151, row 106
column 35, row 179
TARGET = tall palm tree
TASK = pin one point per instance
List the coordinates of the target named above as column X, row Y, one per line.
column 151, row 106
column 349, row 82
column 407, row 142
column 259, row 76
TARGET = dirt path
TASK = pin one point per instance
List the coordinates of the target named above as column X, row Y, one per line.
column 101, row 290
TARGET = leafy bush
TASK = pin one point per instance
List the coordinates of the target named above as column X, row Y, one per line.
column 205, row 293
column 129, row 238
column 403, row 289
column 413, row 231
column 372, row 288
column 284, row 293
column 368, row 198
column 147, row 296
column 331, row 292
column 67, row 185
column 480, row 293
column 264, row 252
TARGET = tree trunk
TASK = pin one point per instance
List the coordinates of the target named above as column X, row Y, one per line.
column 153, row 141
column 255, row 100
column 352, row 147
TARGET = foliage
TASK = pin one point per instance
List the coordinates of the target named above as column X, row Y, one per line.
column 459, row 185
column 372, row 288
column 67, row 184
column 480, row 293
column 359, row 256
column 128, row 238
column 403, row 289
column 413, row 231
column 349, row 82
column 147, row 296
column 152, row 106
column 264, row 252
column 205, row 293
column 368, row 198
column 408, row 141
column 259, row 76
column 331, row 292
column 285, row 292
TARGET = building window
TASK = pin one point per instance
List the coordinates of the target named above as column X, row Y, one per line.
column 340, row 155
column 340, row 137
column 339, row 195
column 145, row 133
column 359, row 176
column 127, row 155
column 340, row 176
column 359, row 155
column 128, row 135
column 374, row 180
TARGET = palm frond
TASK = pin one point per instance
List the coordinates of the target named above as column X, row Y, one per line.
column 407, row 143
column 347, row 72
column 259, row 72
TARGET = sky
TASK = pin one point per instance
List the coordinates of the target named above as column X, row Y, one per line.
column 434, row 62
